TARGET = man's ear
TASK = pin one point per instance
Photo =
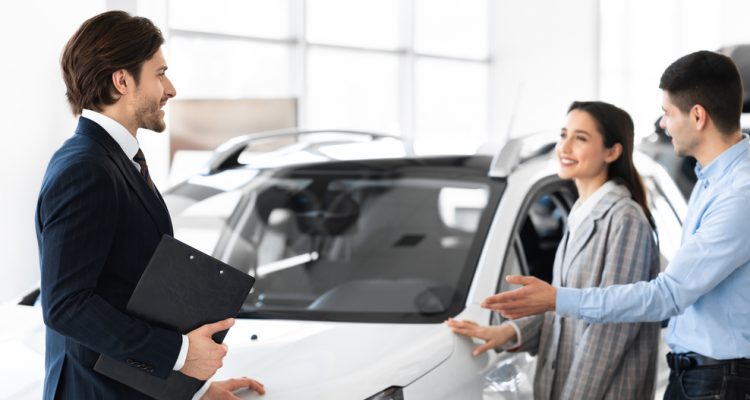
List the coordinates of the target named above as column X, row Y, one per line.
column 613, row 153
column 699, row 116
column 120, row 81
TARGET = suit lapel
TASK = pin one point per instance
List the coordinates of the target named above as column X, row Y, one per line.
column 164, row 204
column 152, row 202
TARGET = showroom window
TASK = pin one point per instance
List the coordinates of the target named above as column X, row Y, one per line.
column 416, row 68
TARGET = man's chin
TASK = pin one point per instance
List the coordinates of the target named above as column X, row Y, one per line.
column 156, row 126
column 681, row 152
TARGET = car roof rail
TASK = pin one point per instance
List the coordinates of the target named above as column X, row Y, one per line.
column 227, row 154
column 518, row 150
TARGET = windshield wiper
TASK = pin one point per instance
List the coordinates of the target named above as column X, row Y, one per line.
column 286, row 263
column 255, row 313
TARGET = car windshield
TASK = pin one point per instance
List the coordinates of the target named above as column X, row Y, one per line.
column 379, row 241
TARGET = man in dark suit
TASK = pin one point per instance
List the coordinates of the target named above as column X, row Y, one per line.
column 100, row 217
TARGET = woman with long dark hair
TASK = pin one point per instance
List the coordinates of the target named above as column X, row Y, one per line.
column 610, row 240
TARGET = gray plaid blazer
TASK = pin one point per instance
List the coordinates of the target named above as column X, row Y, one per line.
column 577, row 360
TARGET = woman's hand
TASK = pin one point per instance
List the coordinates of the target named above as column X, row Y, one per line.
column 494, row 336
column 224, row 390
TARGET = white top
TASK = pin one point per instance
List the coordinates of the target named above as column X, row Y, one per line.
column 581, row 210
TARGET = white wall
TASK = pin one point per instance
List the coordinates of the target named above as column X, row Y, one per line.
column 550, row 53
column 35, row 121
column 546, row 57
column 36, row 118
column 641, row 39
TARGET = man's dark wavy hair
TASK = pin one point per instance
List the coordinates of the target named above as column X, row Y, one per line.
column 104, row 44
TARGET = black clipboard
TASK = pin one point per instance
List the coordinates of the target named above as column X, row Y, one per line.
column 181, row 289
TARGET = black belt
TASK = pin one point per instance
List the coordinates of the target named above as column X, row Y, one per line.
column 684, row 361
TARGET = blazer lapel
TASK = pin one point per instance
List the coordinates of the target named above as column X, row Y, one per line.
column 588, row 226
column 558, row 263
column 153, row 204
column 576, row 243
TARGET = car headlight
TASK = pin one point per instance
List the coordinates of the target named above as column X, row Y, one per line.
column 392, row 393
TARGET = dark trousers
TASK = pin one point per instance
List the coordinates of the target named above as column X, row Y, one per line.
column 730, row 381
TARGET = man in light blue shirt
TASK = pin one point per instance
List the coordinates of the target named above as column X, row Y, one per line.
column 705, row 290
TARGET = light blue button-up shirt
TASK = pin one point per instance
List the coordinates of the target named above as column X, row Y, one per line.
column 705, row 290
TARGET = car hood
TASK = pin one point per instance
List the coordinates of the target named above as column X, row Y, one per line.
column 332, row 360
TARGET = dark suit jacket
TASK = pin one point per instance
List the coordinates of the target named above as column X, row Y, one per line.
column 97, row 225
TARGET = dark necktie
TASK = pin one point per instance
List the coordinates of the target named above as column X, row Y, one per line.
column 141, row 160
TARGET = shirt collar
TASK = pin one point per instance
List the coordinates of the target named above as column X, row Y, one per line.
column 581, row 210
column 718, row 167
column 127, row 142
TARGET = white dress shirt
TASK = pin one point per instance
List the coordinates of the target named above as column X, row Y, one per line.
column 127, row 142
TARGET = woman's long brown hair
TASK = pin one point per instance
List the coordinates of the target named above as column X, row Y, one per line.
column 616, row 126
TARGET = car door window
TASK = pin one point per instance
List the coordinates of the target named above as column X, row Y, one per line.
column 668, row 223
column 515, row 264
column 541, row 225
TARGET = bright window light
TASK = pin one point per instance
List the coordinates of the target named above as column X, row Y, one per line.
column 357, row 90
column 262, row 18
column 457, row 28
column 358, row 23
column 205, row 67
column 414, row 68
column 451, row 106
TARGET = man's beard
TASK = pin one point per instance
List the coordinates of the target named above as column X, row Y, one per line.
column 148, row 117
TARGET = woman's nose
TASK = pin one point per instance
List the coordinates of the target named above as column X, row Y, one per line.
column 564, row 145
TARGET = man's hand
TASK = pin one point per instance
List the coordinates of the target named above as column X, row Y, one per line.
column 535, row 297
column 222, row 390
column 204, row 355
column 494, row 336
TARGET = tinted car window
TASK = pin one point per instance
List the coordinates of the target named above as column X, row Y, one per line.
column 539, row 229
column 543, row 225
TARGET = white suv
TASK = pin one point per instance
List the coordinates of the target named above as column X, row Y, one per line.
column 361, row 250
